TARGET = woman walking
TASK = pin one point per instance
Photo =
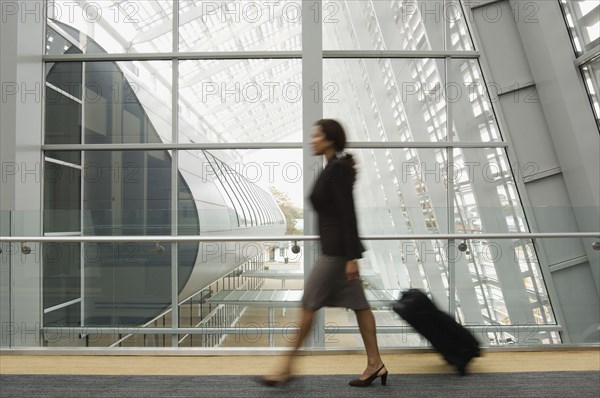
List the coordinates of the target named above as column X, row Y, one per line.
column 334, row 280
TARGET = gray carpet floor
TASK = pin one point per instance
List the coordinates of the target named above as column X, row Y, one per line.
column 534, row 384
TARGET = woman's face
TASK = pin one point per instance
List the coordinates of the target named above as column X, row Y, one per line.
column 319, row 144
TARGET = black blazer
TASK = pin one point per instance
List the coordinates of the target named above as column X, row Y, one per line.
column 333, row 201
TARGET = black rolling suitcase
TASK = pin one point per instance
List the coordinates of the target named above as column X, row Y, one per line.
column 456, row 344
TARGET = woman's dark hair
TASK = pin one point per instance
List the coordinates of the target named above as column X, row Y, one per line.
column 334, row 131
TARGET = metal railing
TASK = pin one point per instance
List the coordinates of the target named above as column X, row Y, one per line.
column 210, row 329
column 193, row 238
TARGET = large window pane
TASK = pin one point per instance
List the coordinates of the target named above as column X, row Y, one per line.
column 116, row 27
column 61, row 273
column 126, row 284
column 127, row 193
column 62, row 198
column 387, row 99
column 386, row 24
column 243, row 190
column 62, row 124
column 64, row 77
column 510, row 289
column 127, row 102
column 472, row 99
column 255, row 100
column 400, row 191
column 62, row 290
column 206, row 26
column 486, row 198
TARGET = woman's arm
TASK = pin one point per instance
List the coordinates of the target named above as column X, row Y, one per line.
column 342, row 184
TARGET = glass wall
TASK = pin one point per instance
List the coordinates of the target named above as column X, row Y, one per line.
column 192, row 124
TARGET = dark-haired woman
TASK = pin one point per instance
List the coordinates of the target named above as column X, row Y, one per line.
column 334, row 280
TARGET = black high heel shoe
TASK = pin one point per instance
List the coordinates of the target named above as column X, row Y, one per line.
column 367, row 382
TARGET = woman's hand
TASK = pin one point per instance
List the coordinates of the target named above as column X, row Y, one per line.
column 352, row 270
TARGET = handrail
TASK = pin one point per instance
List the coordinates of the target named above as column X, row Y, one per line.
column 196, row 238
column 90, row 329
column 194, row 55
column 272, row 145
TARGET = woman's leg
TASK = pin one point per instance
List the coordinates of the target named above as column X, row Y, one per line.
column 366, row 324
column 306, row 321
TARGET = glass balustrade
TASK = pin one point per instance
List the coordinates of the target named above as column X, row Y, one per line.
column 509, row 291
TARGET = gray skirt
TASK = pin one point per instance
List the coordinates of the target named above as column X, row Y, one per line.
column 327, row 286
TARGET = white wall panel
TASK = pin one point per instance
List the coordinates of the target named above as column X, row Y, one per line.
column 553, row 213
column 495, row 24
column 529, row 134
column 577, row 293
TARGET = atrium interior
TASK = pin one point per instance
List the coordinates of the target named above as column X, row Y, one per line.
column 156, row 167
